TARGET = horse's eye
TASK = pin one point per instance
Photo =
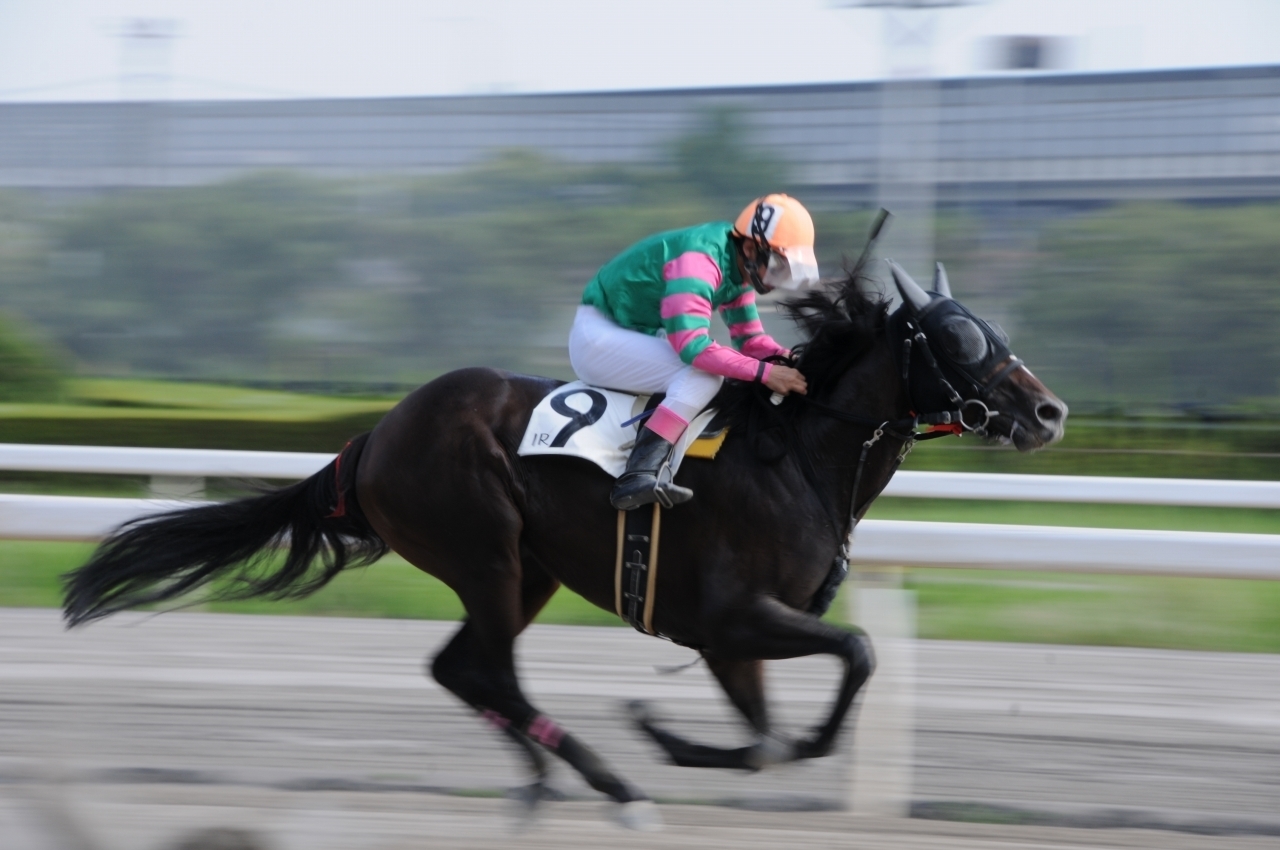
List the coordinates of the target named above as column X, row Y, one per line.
column 1001, row 333
column 963, row 340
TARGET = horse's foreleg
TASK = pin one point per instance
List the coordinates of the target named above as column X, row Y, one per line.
column 743, row 682
column 771, row 630
column 768, row 629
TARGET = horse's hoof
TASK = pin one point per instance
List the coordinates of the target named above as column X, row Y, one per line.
column 525, row 806
column 220, row 839
column 641, row 713
column 535, row 793
column 769, row 751
column 639, row 816
column 811, row 748
column 521, row 818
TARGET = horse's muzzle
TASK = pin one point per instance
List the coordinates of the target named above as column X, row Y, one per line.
column 1042, row 427
column 1033, row 417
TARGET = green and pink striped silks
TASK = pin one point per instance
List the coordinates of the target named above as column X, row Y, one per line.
column 672, row 282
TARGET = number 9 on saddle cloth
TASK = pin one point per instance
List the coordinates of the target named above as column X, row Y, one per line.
column 599, row 425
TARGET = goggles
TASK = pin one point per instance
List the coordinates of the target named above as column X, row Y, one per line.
column 791, row 269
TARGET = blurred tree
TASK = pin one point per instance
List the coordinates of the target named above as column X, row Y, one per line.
column 287, row 277
column 1157, row 304
column 716, row 158
column 29, row 370
column 186, row 281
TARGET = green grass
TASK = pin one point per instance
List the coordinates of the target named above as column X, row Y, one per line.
column 390, row 588
column 1174, row 613
column 394, row 588
column 29, row 571
column 1171, row 613
column 109, row 412
column 131, row 398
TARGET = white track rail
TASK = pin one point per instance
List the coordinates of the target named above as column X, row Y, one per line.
column 1083, row 488
column 202, row 463
column 878, row 542
column 215, row 463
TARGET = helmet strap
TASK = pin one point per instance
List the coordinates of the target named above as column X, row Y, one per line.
column 754, row 266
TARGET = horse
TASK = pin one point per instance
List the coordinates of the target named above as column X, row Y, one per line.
column 748, row 566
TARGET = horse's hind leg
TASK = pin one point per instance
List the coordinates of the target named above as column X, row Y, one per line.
column 537, row 587
column 478, row 665
column 457, row 668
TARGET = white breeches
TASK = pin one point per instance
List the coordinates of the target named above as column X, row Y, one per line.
column 610, row 356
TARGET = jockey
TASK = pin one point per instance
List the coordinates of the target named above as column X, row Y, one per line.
column 645, row 319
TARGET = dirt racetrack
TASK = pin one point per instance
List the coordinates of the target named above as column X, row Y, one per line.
column 145, row 817
column 323, row 733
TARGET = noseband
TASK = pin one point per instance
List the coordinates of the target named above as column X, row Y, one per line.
column 930, row 387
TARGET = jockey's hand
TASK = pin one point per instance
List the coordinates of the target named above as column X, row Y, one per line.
column 784, row 380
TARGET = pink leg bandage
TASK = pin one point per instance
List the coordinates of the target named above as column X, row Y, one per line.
column 666, row 423
column 545, row 731
column 494, row 719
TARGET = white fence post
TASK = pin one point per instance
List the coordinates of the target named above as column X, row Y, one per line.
column 884, row 734
column 176, row 487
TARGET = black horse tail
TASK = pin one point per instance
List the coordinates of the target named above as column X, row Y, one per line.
column 232, row 546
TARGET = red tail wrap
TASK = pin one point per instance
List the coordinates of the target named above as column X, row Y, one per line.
column 340, row 510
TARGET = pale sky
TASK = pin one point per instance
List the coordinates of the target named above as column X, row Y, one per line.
column 72, row 50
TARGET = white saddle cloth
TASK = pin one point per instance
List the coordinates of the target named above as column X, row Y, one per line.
column 578, row 420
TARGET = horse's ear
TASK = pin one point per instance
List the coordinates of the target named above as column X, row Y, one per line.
column 915, row 297
column 940, row 283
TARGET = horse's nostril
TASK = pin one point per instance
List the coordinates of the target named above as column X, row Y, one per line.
column 1049, row 412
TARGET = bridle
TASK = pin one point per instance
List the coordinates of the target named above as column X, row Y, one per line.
column 930, row 380
column 938, row 408
column 960, row 414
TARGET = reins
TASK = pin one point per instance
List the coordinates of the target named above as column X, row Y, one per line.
column 959, row 414
column 968, row 415
column 915, row 338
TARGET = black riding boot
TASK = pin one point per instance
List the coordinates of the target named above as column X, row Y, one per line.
column 648, row 476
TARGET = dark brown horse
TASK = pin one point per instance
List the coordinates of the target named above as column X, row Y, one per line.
column 747, row 566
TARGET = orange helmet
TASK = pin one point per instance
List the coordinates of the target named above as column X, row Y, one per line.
column 780, row 224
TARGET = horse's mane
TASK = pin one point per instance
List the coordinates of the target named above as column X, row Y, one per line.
column 838, row 322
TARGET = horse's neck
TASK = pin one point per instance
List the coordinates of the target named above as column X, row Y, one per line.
column 869, row 388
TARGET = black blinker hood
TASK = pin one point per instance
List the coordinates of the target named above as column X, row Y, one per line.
column 914, row 350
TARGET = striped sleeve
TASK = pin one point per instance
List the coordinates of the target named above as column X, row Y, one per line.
column 746, row 332
column 691, row 281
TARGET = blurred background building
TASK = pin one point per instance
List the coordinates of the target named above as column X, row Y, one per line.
column 1123, row 226
column 1203, row 134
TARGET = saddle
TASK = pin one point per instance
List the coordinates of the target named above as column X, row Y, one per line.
column 600, row 425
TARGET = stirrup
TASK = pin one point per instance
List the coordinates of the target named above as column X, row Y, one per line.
column 666, row 491
column 670, row 495
column 646, row 489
